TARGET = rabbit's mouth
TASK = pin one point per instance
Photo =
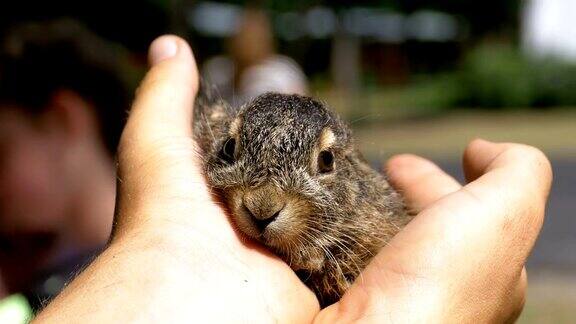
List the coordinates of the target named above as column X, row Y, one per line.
column 284, row 228
column 279, row 231
column 273, row 231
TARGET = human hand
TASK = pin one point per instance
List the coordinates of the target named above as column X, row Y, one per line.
column 174, row 256
column 462, row 258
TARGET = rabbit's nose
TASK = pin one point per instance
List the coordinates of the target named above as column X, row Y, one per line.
column 263, row 217
column 263, row 205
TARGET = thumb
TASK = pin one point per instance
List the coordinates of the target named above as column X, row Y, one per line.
column 157, row 155
column 163, row 105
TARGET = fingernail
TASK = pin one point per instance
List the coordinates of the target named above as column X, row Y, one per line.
column 161, row 49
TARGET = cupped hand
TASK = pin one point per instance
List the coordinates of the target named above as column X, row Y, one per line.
column 174, row 256
column 462, row 257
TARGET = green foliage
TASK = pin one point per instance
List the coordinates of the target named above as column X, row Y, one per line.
column 555, row 84
column 441, row 92
column 498, row 77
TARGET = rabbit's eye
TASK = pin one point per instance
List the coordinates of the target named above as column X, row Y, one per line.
column 325, row 162
column 228, row 149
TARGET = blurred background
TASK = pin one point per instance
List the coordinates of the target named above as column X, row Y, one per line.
column 418, row 76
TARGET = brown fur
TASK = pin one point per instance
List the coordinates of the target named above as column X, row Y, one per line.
column 328, row 226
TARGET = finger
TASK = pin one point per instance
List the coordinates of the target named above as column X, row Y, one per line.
column 504, row 205
column 509, row 306
column 509, row 175
column 156, row 155
column 477, row 157
column 420, row 181
column 163, row 105
column 480, row 155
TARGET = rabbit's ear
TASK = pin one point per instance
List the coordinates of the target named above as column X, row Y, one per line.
column 212, row 117
column 210, row 105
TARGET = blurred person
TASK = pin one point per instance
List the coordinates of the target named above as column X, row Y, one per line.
column 253, row 66
column 62, row 108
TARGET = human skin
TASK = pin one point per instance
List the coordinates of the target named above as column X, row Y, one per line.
column 175, row 257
